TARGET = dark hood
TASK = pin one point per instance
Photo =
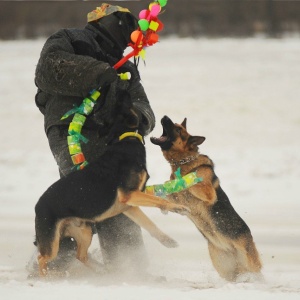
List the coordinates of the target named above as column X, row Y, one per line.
column 114, row 32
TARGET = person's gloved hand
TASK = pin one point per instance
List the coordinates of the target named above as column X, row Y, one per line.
column 131, row 68
column 107, row 77
column 128, row 66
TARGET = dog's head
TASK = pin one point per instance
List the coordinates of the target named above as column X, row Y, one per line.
column 176, row 138
column 126, row 118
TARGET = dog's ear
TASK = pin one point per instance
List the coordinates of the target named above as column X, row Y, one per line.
column 183, row 124
column 194, row 141
column 127, row 110
column 132, row 119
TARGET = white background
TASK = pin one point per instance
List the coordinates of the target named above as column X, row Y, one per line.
column 243, row 95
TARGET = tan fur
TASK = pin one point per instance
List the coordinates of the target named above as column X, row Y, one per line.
column 127, row 203
column 230, row 257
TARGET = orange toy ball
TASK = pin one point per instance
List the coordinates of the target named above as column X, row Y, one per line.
column 153, row 38
column 160, row 25
column 135, row 35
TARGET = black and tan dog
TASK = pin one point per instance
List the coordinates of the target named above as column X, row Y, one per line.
column 230, row 243
column 111, row 185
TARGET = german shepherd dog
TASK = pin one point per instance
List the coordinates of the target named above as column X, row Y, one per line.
column 111, row 185
column 230, row 243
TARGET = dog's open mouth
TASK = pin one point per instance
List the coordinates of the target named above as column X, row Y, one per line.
column 160, row 140
column 164, row 141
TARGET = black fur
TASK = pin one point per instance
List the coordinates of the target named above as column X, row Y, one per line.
column 226, row 218
column 90, row 192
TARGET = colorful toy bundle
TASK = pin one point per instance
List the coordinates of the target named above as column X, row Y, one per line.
column 174, row 186
column 146, row 35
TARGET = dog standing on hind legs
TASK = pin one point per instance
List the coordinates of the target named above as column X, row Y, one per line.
column 109, row 186
column 230, row 243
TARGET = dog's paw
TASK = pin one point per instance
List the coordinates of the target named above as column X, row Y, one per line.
column 250, row 277
column 168, row 242
column 182, row 210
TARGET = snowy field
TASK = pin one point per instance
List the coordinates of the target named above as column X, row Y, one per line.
column 243, row 95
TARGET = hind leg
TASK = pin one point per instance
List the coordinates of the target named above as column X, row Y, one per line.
column 84, row 244
column 82, row 233
column 248, row 260
column 224, row 261
column 242, row 259
column 48, row 245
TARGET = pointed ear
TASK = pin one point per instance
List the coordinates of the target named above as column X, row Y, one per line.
column 183, row 124
column 132, row 119
column 196, row 140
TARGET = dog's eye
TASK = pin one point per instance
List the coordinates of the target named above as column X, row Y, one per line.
column 178, row 130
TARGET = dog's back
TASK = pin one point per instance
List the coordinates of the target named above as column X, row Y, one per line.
column 230, row 241
column 223, row 215
column 111, row 185
column 93, row 190
column 215, row 217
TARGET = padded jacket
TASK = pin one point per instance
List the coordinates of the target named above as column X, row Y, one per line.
column 72, row 64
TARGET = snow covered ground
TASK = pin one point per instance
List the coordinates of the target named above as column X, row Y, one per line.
column 243, row 95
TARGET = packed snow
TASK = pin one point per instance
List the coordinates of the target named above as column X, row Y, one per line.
column 243, row 95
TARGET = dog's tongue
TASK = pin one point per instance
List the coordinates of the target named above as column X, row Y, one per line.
column 162, row 138
column 159, row 140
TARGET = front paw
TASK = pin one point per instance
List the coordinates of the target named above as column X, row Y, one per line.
column 182, row 210
column 168, row 242
column 164, row 211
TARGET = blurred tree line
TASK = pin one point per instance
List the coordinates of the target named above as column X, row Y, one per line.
column 33, row 19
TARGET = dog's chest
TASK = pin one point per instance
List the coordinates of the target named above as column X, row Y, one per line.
column 201, row 216
column 199, row 210
column 200, row 213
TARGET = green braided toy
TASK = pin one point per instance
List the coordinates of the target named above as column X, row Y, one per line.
column 174, row 186
column 75, row 127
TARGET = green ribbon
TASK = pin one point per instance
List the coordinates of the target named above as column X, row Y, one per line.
column 86, row 107
column 79, row 136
